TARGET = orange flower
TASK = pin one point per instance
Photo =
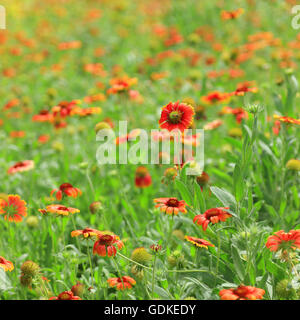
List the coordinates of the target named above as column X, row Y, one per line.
column 6, row 265
column 66, row 295
column 59, row 210
column 14, row 208
column 213, row 215
column 17, row 134
column 242, row 293
column 287, row 119
column 200, row 243
column 216, row 96
column 239, row 113
column 105, row 245
column 21, row 166
column 85, row 233
column 117, row 282
column 170, row 205
column 244, row 87
column 213, row 125
column 283, row 241
column 229, row 15
column 44, row 138
column 43, row 116
column 176, row 116
column 142, row 178
column 70, row 45
column 66, row 189
column 121, row 84
column 128, row 137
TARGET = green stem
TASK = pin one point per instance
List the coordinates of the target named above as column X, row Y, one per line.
column 153, row 276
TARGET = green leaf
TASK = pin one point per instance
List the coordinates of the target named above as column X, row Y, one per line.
column 224, row 196
column 184, row 191
column 199, row 197
column 237, row 261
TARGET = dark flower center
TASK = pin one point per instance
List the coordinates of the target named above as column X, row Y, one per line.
column 175, row 117
column 173, row 202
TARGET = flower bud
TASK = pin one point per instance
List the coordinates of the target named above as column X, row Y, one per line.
column 137, row 271
column 254, row 108
column 101, row 126
column 32, row 222
column 176, row 259
column 78, row 289
column 141, row 255
column 178, row 234
column 26, row 280
column 30, row 268
column 284, row 290
column 95, row 207
column 235, row 132
column 293, row 164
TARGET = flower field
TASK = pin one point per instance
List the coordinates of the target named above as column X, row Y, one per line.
column 73, row 227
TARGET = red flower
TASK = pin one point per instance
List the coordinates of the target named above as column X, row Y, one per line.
column 282, row 240
column 276, row 128
column 66, row 189
column 105, row 245
column 200, row 243
column 117, row 282
column 44, row 138
column 176, row 116
column 142, row 178
column 14, row 208
column 242, row 293
column 66, row 295
column 216, row 96
column 6, row 265
column 21, row 166
column 170, row 205
column 213, row 215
